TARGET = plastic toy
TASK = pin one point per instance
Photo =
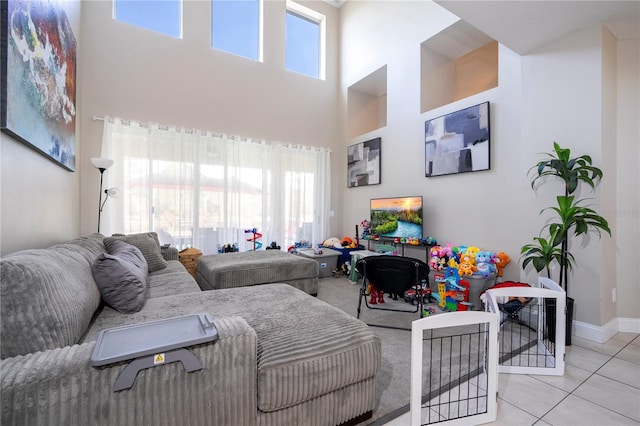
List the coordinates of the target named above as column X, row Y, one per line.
column 366, row 229
column 428, row 241
column 256, row 236
column 410, row 295
column 453, row 293
column 376, row 295
column 273, row 246
column 228, row 248
column 428, row 311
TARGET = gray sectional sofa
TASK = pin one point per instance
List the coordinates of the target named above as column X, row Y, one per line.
column 282, row 356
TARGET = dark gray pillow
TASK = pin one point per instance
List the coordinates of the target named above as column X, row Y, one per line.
column 121, row 277
column 147, row 243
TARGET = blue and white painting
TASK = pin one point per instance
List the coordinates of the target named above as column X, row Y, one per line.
column 39, row 85
column 458, row 142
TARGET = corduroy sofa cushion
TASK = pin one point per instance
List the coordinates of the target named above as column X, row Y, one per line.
column 148, row 243
column 241, row 269
column 121, row 276
column 47, row 296
column 306, row 347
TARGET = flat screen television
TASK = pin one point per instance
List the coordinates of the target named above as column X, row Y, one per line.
column 399, row 217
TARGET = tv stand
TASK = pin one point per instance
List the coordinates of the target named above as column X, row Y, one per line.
column 402, row 246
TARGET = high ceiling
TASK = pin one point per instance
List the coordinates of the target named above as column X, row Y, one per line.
column 525, row 25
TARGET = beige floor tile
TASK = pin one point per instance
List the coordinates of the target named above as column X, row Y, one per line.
column 636, row 341
column 575, row 411
column 403, row 420
column 584, row 358
column 611, row 347
column 622, row 371
column 529, row 394
column 573, row 377
column 631, row 353
column 615, row 396
column 623, row 337
column 510, row 415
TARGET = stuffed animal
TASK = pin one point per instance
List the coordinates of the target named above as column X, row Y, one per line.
column 466, row 268
column 347, row 243
column 434, row 263
column 332, row 242
column 485, row 263
column 472, row 250
column 501, row 261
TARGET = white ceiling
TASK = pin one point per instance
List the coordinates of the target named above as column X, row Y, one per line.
column 525, row 25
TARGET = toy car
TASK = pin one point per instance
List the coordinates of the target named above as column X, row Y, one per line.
column 425, row 293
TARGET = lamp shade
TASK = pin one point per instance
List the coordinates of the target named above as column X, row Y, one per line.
column 101, row 163
column 112, row 192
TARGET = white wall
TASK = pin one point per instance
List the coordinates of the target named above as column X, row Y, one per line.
column 39, row 202
column 555, row 93
column 627, row 208
column 473, row 209
column 137, row 74
column 564, row 92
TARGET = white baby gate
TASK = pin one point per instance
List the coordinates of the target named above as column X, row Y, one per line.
column 466, row 350
column 533, row 340
column 461, row 369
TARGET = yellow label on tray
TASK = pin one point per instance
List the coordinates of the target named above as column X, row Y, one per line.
column 158, row 359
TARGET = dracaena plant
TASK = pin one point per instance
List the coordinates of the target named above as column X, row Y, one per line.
column 571, row 216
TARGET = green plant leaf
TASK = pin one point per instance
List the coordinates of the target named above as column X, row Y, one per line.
column 572, row 217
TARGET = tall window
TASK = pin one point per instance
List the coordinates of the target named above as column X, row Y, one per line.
column 198, row 189
column 305, row 41
column 236, row 27
column 164, row 16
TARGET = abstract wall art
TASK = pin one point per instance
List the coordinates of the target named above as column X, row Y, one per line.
column 38, row 85
column 363, row 163
column 458, row 142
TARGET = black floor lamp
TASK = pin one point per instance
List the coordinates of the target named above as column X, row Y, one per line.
column 103, row 164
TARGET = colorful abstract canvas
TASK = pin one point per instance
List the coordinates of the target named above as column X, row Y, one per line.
column 39, row 78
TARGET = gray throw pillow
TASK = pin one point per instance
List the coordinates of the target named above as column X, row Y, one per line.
column 148, row 244
column 121, row 277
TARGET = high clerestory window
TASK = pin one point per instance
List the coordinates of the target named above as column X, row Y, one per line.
column 305, row 43
column 164, row 16
column 236, row 27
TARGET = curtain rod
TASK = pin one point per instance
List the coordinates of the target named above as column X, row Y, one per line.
column 96, row 118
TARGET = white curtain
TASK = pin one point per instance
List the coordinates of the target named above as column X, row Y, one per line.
column 205, row 190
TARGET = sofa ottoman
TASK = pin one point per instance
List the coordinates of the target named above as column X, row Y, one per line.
column 229, row 270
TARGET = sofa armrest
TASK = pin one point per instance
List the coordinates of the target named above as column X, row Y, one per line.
column 169, row 253
column 60, row 386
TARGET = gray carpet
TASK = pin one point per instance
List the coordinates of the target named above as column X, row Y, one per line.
column 394, row 379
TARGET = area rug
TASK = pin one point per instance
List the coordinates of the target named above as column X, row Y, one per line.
column 394, row 378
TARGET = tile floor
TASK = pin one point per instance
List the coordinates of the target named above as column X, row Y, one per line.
column 601, row 386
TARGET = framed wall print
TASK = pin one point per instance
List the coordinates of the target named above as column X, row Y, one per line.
column 38, row 84
column 458, row 142
column 363, row 163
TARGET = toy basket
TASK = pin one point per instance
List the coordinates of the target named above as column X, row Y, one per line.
column 189, row 258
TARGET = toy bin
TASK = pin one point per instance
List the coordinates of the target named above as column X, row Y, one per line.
column 328, row 260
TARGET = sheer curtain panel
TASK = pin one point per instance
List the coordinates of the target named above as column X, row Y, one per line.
column 205, row 190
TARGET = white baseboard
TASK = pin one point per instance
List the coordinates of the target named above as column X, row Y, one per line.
column 604, row 333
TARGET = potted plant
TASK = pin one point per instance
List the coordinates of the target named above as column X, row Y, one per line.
column 571, row 217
